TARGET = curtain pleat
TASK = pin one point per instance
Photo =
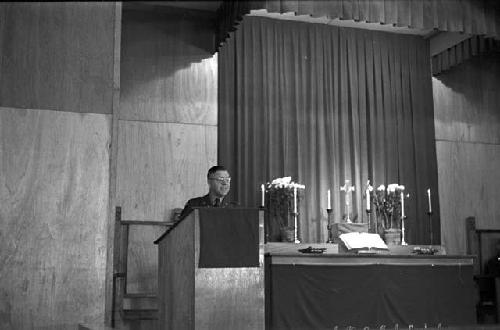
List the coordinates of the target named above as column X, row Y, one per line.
column 481, row 17
column 324, row 104
column 363, row 171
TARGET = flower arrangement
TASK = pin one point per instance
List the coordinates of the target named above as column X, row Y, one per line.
column 387, row 204
column 284, row 183
column 283, row 200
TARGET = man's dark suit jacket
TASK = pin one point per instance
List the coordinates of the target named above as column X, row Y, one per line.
column 203, row 201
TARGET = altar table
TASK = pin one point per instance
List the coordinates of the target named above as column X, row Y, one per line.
column 305, row 291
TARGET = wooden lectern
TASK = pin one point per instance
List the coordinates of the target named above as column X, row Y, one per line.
column 211, row 271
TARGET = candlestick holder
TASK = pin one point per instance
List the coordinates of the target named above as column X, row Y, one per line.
column 403, row 242
column 266, row 230
column 369, row 215
column 429, row 213
column 329, row 226
column 295, row 225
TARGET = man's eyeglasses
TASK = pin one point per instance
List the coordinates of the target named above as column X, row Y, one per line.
column 221, row 180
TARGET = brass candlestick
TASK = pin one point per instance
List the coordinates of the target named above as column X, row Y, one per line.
column 369, row 213
column 266, row 230
column 403, row 242
column 295, row 223
column 329, row 226
column 429, row 213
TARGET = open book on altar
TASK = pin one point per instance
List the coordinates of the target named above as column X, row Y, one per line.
column 357, row 240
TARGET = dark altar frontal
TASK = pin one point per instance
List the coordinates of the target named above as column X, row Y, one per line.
column 215, row 272
column 391, row 289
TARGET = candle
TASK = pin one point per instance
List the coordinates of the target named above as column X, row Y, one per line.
column 429, row 199
column 295, row 200
column 402, row 205
column 263, row 192
column 329, row 199
column 368, row 200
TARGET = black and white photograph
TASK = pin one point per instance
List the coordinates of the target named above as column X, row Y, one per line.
column 250, row 165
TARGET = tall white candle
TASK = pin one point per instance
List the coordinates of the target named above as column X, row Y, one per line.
column 263, row 194
column 429, row 199
column 329, row 199
column 402, row 205
column 295, row 200
column 368, row 200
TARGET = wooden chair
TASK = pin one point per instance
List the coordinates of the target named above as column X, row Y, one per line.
column 131, row 306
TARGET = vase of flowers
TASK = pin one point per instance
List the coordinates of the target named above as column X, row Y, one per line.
column 388, row 212
column 282, row 199
column 287, row 234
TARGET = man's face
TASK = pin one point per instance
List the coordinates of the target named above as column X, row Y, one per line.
column 219, row 183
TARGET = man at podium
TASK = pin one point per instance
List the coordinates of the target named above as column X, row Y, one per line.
column 219, row 184
column 211, row 264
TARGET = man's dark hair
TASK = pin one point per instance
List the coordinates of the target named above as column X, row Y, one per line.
column 215, row 169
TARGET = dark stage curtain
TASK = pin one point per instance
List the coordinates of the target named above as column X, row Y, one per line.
column 324, row 104
column 481, row 17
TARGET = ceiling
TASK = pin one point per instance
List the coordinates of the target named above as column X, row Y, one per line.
column 213, row 5
column 346, row 23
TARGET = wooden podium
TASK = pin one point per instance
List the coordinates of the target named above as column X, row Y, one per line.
column 211, row 271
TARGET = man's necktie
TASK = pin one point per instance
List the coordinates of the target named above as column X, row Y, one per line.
column 217, row 202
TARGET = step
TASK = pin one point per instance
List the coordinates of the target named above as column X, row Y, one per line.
column 85, row 326
column 139, row 295
column 140, row 314
column 140, row 301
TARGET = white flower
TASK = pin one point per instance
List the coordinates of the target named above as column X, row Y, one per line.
column 401, row 187
column 381, row 187
column 392, row 187
column 284, row 180
column 285, row 183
